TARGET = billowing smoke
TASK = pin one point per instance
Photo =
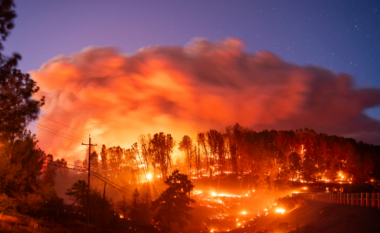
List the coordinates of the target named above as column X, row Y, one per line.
column 182, row 90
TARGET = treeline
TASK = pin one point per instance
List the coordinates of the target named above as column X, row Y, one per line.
column 24, row 187
column 266, row 156
column 151, row 157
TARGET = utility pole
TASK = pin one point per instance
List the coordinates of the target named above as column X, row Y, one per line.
column 104, row 192
column 88, row 187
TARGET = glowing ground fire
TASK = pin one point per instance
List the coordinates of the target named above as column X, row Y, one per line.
column 279, row 210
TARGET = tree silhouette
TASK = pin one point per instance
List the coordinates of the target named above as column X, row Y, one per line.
column 161, row 147
column 174, row 203
column 78, row 193
column 186, row 146
column 17, row 107
column 294, row 163
column 122, row 207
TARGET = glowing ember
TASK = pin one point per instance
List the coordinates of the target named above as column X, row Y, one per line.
column 279, row 210
column 244, row 212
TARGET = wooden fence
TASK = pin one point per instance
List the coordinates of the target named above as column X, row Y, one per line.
column 352, row 199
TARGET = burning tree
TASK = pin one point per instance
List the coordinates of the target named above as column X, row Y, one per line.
column 162, row 148
column 174, row 203
column 186, row 146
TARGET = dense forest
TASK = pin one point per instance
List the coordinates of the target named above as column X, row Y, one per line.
column 267, row 156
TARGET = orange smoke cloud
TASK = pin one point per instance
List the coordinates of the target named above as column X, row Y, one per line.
column 181, row 90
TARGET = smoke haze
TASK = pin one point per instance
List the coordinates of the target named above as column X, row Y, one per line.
column 182, row 90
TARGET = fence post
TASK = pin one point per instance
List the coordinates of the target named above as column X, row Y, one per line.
column 348, row 200
column 357, row 199
column 373, row 200
column 361, row 199
column 367, row 197
column 378, row 200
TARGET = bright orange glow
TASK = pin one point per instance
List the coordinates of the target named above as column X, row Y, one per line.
column 239, row 224
column 75, row 96
column 149, row 176
column 279, row 210
column 214, row 194
column 244, row 212
column 304, row 188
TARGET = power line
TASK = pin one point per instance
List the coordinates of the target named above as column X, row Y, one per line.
column 109, row 181
column 68, row 126
column 58, row 134
column 112, row 184
column 39, row 124
column 63, row 124
column 97, row 175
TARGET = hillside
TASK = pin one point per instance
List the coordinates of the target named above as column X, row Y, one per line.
column 313, row 217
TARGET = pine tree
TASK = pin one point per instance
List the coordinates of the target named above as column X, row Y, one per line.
column 174, row 203
column 17, row 107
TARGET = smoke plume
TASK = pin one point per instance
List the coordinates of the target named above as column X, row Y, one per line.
column 181, row 90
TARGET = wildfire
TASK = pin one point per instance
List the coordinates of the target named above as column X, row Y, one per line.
column 224, row 195
column 149, row 176
column 279, row 210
